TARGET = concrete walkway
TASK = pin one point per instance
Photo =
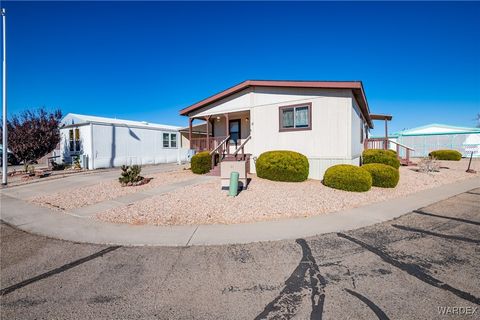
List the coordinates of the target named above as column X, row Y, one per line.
column 42, row 221
column 121, row 201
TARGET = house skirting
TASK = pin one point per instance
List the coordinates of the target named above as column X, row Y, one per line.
column 318, row 166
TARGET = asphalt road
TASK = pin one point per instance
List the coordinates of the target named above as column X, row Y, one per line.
column 414, row 267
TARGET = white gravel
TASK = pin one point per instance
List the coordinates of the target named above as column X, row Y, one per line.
column 88, row 195
column 268, row 200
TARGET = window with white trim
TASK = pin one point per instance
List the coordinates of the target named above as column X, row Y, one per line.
column 169, row 140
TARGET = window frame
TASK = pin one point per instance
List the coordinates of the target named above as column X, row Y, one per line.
column 362, row 135
column 176, row 140
column 71, row 140
column 78, row 144
column 74, row 141
column 170, row 134
column 294, row 107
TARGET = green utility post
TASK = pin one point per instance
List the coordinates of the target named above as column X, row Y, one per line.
column 233, row 190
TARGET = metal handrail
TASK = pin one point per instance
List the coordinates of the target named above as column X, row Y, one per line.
column 242, row 145
column 402, row 145
column 388, row 140
column 219, row 145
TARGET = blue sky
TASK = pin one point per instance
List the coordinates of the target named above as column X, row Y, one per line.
column 145, row 61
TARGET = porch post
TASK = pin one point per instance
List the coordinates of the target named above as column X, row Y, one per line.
column 386, row 134
column 207, row 119
column 226, row 132
column 190, row 121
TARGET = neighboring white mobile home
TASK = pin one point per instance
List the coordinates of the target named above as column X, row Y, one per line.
column 325, row 121
column 439, row 136
column 104, row 142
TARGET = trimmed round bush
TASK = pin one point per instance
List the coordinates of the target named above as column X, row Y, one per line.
column 383, row 176
column 452, row 155
column 201, row 162
column 348, row 177
column 282, row 165
column 392, row 151
column 388, row 157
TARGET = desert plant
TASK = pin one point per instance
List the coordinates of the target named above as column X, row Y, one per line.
column 388, row 157
column 201, row 162
column 452, row 155
column 282, row 165
column 130, row 175
column 428, row 165
column 348, row 177
column 383, row 176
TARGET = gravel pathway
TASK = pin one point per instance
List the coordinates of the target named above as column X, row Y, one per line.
column 88, row 195
column 268, row 200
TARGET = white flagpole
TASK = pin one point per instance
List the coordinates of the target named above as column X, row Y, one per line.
column 4, row 103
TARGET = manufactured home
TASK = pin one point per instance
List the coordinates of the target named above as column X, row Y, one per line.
column 436, row 136
column 105, row 142
column 327, row 121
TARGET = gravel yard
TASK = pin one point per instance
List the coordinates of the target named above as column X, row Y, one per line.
column 268, row 200
column 88, row 195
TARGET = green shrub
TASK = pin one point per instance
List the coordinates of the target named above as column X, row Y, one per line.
column 453, row 155
column 201, row 162
column 383, row 176
column 130, row 175
column 392, row 151
column 282, row 165
column 348, row 177
column 387, row 157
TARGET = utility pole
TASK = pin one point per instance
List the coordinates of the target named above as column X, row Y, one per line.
column 4, row 103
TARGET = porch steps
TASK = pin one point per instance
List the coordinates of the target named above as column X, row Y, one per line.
column 405, row 162
column 216, row 170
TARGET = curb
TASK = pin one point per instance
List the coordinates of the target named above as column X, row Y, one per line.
column 42, row 221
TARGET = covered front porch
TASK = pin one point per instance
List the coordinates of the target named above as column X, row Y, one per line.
column 385, row 143
column 228, row 131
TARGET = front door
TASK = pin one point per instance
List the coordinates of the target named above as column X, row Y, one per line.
column 234, row 130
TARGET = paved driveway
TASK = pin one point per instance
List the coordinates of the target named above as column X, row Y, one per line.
column 411, row 268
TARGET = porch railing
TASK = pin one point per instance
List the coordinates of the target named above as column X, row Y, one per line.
column 242, row 148
column 403, row 151
column 200, row 144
